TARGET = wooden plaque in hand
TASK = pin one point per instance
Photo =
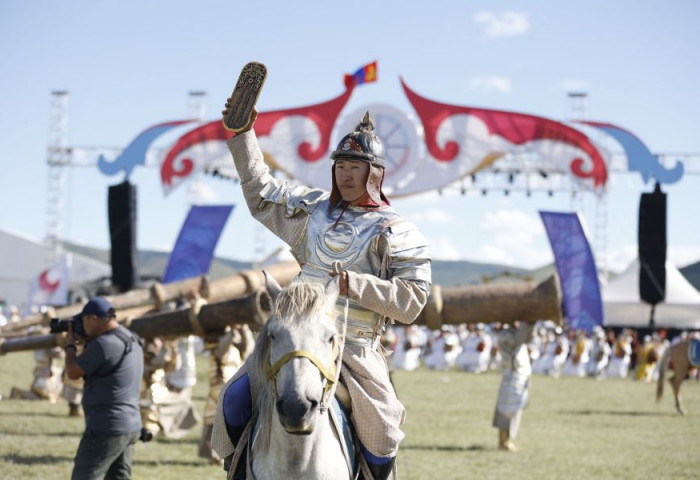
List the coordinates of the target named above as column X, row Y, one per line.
column 244, row 96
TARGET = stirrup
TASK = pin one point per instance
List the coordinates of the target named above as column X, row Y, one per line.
column 244, row 96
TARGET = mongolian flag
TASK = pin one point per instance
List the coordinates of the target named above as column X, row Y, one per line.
column 366, row 74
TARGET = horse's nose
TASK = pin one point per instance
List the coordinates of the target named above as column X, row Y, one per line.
column 294, row 411
column 313, row 402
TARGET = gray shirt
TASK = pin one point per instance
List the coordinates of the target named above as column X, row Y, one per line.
column 113, row 370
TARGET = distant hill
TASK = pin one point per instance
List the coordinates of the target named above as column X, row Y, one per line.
column 445, row 273
column 152, row 263
column 463, row 272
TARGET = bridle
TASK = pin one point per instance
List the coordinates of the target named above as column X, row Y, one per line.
column 331, row 373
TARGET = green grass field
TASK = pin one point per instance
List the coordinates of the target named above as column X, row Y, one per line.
column 573, row 429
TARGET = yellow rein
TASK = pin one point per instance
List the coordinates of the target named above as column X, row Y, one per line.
column 328, row 373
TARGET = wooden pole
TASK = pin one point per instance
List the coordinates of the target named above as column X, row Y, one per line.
column 139, row 301
column 210, row 319
column 504, row 303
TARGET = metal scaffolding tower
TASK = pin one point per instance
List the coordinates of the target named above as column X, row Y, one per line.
column 57, row 159
column 578, row 102
column 197, row 105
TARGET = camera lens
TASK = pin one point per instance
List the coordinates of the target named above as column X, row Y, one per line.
column 146, row 435
column 58, row 326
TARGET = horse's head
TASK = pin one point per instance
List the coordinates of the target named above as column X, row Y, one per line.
column 303, row 351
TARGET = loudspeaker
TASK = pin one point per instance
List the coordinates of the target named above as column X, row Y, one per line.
column 122, row 231
column 652, row 246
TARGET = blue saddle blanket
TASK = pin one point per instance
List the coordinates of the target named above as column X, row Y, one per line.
column 694, row 352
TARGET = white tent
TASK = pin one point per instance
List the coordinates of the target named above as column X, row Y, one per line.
column 624, row 307
column 23, row 258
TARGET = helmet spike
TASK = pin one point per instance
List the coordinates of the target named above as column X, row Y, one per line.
column 362, row 144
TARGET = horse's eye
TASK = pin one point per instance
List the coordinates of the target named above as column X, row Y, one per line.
column 330, row 340
column 272, row 336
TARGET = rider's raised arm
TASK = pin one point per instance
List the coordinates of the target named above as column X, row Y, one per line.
column 279, row 205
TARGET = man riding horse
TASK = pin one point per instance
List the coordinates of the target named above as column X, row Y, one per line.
column 380, row 260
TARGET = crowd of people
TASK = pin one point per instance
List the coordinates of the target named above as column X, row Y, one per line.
column 474, row 348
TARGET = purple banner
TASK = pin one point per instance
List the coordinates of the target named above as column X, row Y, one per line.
column 578, row 276
column 195, row 244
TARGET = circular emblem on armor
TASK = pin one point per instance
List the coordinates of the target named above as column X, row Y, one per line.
column 338, row 239
column 336, row 242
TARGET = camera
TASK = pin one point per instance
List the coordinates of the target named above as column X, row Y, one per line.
column 146, row 435
column 57, row 325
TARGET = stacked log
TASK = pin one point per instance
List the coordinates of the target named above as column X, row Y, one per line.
column 197, row 319
column 504, row 303
column 136, row 303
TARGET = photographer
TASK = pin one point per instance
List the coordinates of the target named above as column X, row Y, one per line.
column 112, row 366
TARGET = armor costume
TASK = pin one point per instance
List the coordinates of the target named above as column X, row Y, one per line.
column 513, row 392
column 388, row 273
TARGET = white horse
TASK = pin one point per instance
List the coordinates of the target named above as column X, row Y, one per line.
column 297, row 358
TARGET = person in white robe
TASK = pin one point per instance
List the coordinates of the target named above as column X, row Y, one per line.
column 513, row 392
column 476, row 350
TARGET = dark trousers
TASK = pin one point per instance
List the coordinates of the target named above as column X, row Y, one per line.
column 104, row 456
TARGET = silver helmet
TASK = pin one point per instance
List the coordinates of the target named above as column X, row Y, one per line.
column 362, row 144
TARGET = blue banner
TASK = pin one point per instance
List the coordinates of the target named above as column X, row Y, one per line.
column 195, row 244
column 578, row 276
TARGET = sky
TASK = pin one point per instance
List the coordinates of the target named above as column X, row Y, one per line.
column 131, row 64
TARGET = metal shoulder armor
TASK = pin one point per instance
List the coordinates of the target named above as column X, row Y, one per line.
column 409, row 254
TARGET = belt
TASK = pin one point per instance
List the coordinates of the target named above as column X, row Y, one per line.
column 364, row 327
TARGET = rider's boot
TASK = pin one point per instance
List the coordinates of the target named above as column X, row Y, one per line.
column 235, row 433
column 381, row 471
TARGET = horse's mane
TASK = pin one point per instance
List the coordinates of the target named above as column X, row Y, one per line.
column 298, row 304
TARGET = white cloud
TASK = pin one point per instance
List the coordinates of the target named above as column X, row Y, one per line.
column 502, row 24
column 492, row 83
column 495, row 254
column 443, row 248
column 515, row 238
column 526, row 256
column 434, row 215
column 199, row 192
column 512, row 227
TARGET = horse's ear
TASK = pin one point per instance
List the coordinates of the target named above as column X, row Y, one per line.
column 273, row 288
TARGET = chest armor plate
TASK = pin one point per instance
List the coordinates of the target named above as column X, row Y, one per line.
column 347, row 240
